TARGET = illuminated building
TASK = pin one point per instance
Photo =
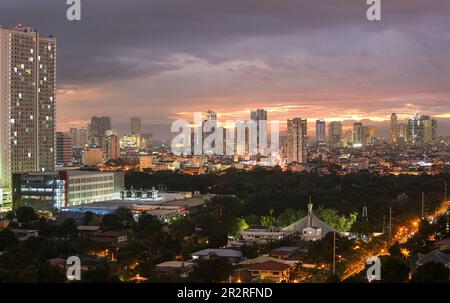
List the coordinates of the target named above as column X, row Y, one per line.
column 422, row 129
column 130, row 141
column 394, row 128
column 111, row 147
column 55, row 190
column 357, row 134
column 27, row 105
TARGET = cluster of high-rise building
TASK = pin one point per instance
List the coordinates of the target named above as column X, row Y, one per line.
column 419, row 129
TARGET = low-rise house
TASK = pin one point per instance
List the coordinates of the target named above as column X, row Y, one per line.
column 25, row 234
column 110, row 237
column 261, row 235
column 443, row 244
column 233, row 256
column 182, row 268
column 435, row 256
column 270, row 270
column 284, row 253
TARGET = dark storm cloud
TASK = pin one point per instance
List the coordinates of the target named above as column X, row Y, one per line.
column 147, row 32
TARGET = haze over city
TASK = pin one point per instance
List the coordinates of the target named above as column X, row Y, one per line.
column 163, row 60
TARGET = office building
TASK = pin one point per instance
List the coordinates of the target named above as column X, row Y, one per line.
column 27, row 105
column 422, row 129
column 54, row 190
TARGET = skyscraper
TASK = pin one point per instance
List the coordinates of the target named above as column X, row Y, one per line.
column 260, row 117
column 394, row 128
column 111, row 147
column 27, row 105
column 320, row 131
column 422, row 129
column 357, row 134
column 335, row 132
column 135, row 125
column 99, row 126
column 296, row 140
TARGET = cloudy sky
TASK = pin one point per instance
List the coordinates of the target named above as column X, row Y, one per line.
column 164, row 59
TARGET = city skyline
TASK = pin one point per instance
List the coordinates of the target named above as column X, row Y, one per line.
column 264, row 56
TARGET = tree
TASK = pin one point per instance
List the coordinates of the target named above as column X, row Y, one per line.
column 26, row 214
column 431, row 272
column 68, row 228
column 88, row 217
column 217, row 239
column 395, row 250
column 7, row 239
column 290, row 216
column 393, row 270
column 212, row 270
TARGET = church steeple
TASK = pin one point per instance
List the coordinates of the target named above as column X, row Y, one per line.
column 310, row 211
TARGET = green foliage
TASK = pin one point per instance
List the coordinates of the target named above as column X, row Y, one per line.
column 7, row 239
column 331, row 217
column 26, row 214
column 431, row 272
column 212, row 270
column 290, row 216
column 394, row 270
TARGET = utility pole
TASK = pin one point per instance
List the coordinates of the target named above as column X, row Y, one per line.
column 334, row 252
column 423, row 205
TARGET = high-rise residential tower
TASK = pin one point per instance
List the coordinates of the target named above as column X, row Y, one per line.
column 320, row 131
column 296, row 149
column 260, row 117
column 99, row 127
column 27, row 105
column 394, row 128
column 335, row 132
column 357, row 134
column 135, row 125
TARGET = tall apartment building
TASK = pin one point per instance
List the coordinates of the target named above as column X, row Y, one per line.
column 79, row 136
column 335, row 132
column 394, row 128
column 320, row 131
column 296, row 149
column 98, row 128
column 111, row 148
column 135, row 125
column 357, row 134
column 27, row 105
column 63, row 149
column 260, row 117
